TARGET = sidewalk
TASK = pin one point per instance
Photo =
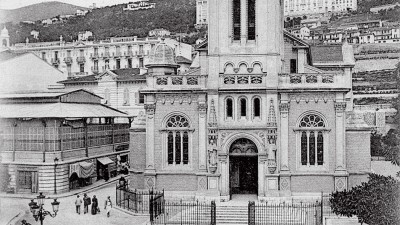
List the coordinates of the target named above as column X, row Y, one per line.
column 94, row 186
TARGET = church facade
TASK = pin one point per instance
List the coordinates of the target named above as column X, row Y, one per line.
column 264, row 113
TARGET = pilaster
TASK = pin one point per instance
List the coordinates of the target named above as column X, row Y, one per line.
column 224, row 180
column 284, row 117
column 150, row 111
column 202, row 109
column 340, row 108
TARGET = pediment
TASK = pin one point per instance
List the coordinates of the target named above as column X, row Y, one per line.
column 107, row 76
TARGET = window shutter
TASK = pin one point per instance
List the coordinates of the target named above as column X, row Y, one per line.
column 137, row 97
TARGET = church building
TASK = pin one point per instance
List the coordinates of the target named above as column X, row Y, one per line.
column 264, row 113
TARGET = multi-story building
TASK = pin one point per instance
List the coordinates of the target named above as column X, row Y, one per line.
column 54, row 142
column 83, row 58
column 263, row 114
column 139, row 5
column 201, row 12
column 303, row 7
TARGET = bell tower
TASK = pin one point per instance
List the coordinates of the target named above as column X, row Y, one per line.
column 245, row 31
column 5, row 38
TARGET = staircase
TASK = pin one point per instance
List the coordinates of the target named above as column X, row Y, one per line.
column 232, row 215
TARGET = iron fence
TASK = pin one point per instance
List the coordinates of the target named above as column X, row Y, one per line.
column 285, row 214
column 137, row 201
column 186, row 213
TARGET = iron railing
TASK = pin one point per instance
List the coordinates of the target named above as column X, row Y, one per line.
column 284, row 213
column 185, row 213
column 137, row 201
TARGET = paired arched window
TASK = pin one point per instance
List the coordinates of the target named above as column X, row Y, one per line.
column 177, row 140
column 243, row 108
column 229, row 107
column 251, row 19
column 312, row 140
column 256, row 107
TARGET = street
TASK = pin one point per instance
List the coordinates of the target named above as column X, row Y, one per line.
column 67, row 213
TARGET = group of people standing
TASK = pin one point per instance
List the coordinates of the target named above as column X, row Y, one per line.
column 95, row 205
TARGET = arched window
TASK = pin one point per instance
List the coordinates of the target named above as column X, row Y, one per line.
column 236, row 19
column 251, row 19
column 243, row 107
column 177, row 140
column 229, row 108
column 312, row 128
column 257, row 107
column 126, row 96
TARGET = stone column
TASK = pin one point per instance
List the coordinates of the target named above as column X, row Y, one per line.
column 224, row 179
column 202, row 109
column 284, row 136
column 150, row 110
column 262, row 159
column 340, row 108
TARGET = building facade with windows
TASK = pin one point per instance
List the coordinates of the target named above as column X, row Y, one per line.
column 303, row 7
column 263, row 114
column 201, row 12
column 53, row 142
column 84, row 58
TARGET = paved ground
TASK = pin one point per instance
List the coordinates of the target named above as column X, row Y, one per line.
column 67, row 214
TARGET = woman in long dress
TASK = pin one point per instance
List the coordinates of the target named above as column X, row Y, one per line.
column 108, row 206
column 95, row 205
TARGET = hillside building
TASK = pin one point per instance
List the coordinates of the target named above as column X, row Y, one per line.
column 139, row 5
column 201, row 12
column 263, row 114
column 301, row 7
column 84, row 58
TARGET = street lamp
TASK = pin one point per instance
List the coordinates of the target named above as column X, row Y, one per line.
column 39, row 213
column 55, row 175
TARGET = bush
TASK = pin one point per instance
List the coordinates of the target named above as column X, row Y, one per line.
column 376, row 202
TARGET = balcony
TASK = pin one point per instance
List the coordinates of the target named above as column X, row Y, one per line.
column 117, row 54
column 79, row 74
column 80, row 60
column 314, row 81
column 178, row 81
column 68, row 60
column 128, row 54
column 105, row 55
column 55, row 61
column 95, row 69
column 242, row 81
column 94, row 55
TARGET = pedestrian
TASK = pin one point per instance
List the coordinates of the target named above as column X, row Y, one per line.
column 95, row 205
column 86, row 203
column 108, row 206
column 78, row 203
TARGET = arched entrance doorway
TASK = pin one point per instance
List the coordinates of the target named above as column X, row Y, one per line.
column 243, row 167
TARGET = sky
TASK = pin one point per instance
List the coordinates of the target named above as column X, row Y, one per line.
column 13, row 4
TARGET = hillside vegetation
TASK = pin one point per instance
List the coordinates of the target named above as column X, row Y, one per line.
column 174, row 15
column 38, row 11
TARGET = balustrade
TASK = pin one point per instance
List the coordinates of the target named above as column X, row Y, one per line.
column 311, row 80
column 176, row 80
column 243, row 79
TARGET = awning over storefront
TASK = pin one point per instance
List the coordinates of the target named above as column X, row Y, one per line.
column 82, row 169
column 105, row 160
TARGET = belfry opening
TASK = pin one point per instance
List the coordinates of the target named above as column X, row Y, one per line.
column 243, row 167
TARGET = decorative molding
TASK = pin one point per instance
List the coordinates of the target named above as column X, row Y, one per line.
column 340, row 183
column 271, row 121
column 284, row 107
column 340, row 106
column 179, row 98
column 202, row 184
column 202, row 108
column 285, row 184
column 150, row 109
column 316, row 97
column 150, row 182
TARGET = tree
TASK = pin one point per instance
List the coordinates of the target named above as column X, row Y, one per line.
column 374, row 202
column 376, row 144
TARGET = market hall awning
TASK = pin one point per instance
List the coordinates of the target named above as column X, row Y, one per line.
column 105, row 160
column 58, row 110
column 82, row 169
